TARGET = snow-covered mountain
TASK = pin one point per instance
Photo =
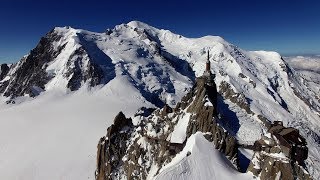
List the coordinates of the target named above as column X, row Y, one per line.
column 67, row 59
column 81, row 79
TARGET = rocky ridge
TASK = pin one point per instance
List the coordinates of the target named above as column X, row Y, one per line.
column 137, row 148
column 280, row 154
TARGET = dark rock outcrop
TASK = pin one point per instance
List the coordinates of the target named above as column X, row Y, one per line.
column 93, row 72
column 280, row 154
column 30, row 72
column 4, row 69
column 238, row 98
column 131, row 150
column 268, row 167
column 205, row 118
column 145, row 143
column 112, row 148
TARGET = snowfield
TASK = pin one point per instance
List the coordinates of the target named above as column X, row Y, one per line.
column 200, row 160
column 54, row 136
column 179, row 132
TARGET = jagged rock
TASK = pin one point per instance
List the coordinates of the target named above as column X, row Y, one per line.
column 267, row 167
column 280, row 154
column 237, row 98
column 205, row 120
column 241, row 75
column 31, row 70
column 113, row 147
column 253, row 83
column 102, row 169
column 166, row 110
column 265, row 121
column 93, row 73
column 146, row 145
column 145, row 112
column 4, row 69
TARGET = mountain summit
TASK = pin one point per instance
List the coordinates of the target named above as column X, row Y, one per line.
column 133, row 65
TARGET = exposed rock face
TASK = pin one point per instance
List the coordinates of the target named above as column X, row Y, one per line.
column 228, row 93
column 93, row 73
column 30, row 75
column 30, row 71
column 139, row 149
column 268, row 167
column 113, row 148
column 4, row 69
column 129, row 151
column 280, row 154
column 204, row 118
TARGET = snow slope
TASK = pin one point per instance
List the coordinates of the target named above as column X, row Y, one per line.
column 54, row 136
column 179, row 132
column 200, row 160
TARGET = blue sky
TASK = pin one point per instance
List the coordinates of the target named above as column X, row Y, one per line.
column 288, row 26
